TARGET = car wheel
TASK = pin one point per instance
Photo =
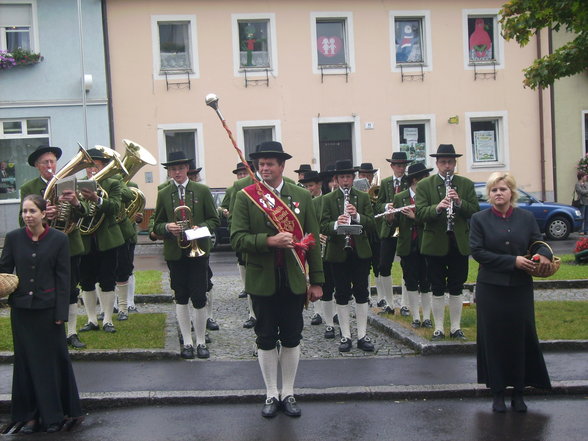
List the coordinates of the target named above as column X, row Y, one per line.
column 213, row 240
column 558, row 228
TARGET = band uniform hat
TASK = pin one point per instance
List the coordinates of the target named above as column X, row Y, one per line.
column 327, row 173
column 42, row 149
column 193, row 169
column 95, row 153
column 270, row 149
column 445, row 150
column 176, row 158
column 240, row 166
column 399, row 158
column 417, row 169
column 311, row 176
column 303, row 168
column 367, row 167
column 344, row 167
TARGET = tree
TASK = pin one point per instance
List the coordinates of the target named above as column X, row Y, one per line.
column 522, row 19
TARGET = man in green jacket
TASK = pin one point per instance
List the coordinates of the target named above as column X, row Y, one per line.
column 266, row 228
column 444, row 204
column 188, row 268
column 45, row 158
column 98, row 264
column 349, row 257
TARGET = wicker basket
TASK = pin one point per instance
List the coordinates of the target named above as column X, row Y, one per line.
column 555, row 261
column 8, row 284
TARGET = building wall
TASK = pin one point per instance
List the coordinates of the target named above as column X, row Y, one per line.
column 53, row 88
column 298, row 99
column 570, row 105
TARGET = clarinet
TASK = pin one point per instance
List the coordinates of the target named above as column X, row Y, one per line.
column 450, row 211
column 345, row 203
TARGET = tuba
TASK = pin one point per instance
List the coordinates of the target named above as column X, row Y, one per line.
column 136, row 156
column 64, row 221
column 183, row 216
column 89, row 224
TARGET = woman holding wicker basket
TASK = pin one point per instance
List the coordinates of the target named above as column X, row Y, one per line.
column 505, row 241
column 44, row 391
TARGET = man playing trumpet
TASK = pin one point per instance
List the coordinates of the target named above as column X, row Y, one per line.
column 188, row 275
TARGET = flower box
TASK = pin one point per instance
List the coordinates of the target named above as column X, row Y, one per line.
column 18, row 57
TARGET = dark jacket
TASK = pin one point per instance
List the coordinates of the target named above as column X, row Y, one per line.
column 42, row 268
column 495, row 242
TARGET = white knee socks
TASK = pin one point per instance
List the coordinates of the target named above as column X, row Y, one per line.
column 344, row 320
column 426, row 302
column 72, row 318
column 183, row 317
column 438, row 304
column 387, row 290
column 209, row 304
column 268, row 362
column 131, row 291
column 289, row 358
column 329, row 312
column 107, row 302
column 250, row 305
column 413, row 304
column 361, row 313
column 122, row 292
column 455, row 308
column 200, row 316
column 90, row 305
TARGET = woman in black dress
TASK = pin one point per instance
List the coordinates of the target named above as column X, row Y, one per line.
column 44, row 391
column 507, row 345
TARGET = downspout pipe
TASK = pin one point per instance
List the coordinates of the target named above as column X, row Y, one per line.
column 553, row 137
column 108, row 73
column 541, row 128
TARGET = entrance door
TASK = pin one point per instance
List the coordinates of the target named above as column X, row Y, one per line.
column 335, row 143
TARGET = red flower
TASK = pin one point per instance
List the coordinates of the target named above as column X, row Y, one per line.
column 581, row 245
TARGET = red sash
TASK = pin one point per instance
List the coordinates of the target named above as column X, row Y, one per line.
column 280, row 215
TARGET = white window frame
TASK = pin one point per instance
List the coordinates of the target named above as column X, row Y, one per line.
column 274, row 124
column 426, row 44
column 238, row 71
column 22, row 135
column 502, row 143
column 34, row 34
column 162, row 151
column 430, row 135
column 349, row 43
column 498, row 40
column 356, row 149
column 158, row 74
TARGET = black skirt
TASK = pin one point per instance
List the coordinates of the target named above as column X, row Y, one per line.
column 507, row 345
column 43, row 382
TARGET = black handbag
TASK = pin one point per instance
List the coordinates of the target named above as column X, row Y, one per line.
column 575, row 202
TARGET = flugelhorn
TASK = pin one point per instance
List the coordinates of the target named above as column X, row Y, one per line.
column 136, row 156
column 183, row 218
column 63, row 220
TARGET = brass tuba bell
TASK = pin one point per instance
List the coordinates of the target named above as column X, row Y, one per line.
column 183, row 217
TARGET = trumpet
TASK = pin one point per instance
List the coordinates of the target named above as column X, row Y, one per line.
column 394, row 210
column 450, row 210
column 183, row 216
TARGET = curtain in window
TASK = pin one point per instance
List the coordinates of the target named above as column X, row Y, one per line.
column 174, row 46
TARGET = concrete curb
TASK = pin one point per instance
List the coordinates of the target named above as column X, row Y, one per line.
column 426, row 347
column 103, row 400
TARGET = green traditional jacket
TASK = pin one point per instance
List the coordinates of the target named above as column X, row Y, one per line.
column 430, row 191
column 38, row 186
column 108, row 235
column 405, row 225
column 331, row 210
column 385, row 196
column 204, row 214
column 249, row 232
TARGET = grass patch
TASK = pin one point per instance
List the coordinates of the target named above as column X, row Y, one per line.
column 140, row 331
column 148, row 282
column 568, row 270
column 555, row 320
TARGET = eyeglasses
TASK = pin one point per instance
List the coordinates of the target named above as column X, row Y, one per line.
column 47, row 162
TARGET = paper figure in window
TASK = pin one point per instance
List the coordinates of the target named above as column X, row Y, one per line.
column 408, row 46
column 329, row 46
column 480, row 42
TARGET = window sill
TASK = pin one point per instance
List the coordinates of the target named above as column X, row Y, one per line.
column 483, row 165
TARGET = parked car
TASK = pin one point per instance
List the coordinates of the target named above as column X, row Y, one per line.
column 555, row 220
column 221, row 235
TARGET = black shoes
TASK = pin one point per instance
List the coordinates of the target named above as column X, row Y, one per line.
column 242, row 294
column 336, row 319
column 187, row 352
column 498, row 405
column 202, row 351
column 345, row 345
column 250, row 323
column 211, row 325
column 30, row 427
column 381, row 303
column 427, row 324
column 75, row 342
column 316, row 319
column 404, row 311
column 365, row 344
column 122, row 316
column 438, row 335
column 388, row 310
column 290, row 407
column 132, row 309
column 89, row 327
column 416, row 324
column 207, row 338
column 108, row 327
column 54, row 427
column 270, row 408
column 458, row 335
column 329, row 332
column 517, row 402
column 100, row 316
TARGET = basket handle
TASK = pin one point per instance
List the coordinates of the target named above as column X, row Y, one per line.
column 540, row 242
